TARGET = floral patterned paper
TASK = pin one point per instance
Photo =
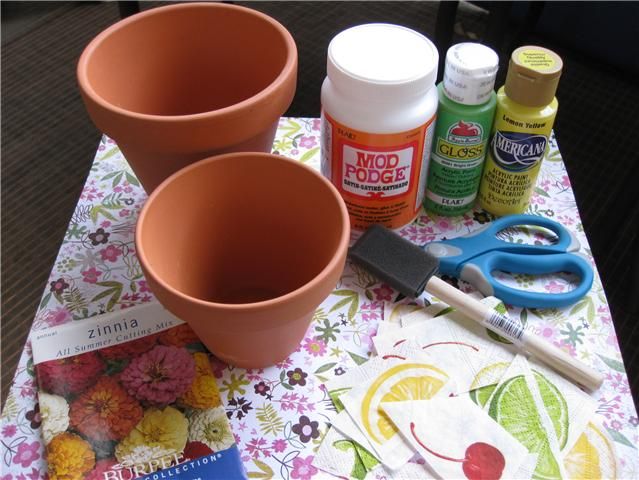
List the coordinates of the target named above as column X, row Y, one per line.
column 279, row 414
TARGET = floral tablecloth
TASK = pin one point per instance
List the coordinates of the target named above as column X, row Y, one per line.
column 279, row 413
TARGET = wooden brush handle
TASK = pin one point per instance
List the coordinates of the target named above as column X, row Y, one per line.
column 501, row 324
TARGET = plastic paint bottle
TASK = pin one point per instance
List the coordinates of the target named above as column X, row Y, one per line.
column 526, row 110
column 378, row 112
column 464, row 118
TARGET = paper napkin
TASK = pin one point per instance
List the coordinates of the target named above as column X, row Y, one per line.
column 393, row 312
column 344, row 424
column 385, row 327
column 340, row 456
column 532, row 409
column 407, row 375
column 457, row 438
column 461, row 346
column 580, row 406
column 426, row 313
column 527, row 467
column 425, row 355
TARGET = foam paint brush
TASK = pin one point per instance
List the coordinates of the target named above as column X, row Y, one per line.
column 411, row 270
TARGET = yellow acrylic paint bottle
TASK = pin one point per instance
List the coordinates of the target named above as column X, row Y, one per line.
column 526, row 110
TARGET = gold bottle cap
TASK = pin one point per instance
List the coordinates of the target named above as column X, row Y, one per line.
column 533, row 76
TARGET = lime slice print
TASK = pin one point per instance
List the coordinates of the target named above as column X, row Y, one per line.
column 409, row 381
column 334, row 396
column 364, row 461
column 481, row 395
column 592, row 456
column 514, row 408
column 556, row 407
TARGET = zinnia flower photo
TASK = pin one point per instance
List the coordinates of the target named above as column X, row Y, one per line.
column 71, row 375
column 54, row 411
column 203, row 392
column 138, row 406
column 159, row 376
column 211, row 427
column 105, row 411
column 69, row 457
column 202, row 364
column 165, row 428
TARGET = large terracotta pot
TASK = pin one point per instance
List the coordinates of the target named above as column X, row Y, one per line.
column 176, row 84
column 244, row 247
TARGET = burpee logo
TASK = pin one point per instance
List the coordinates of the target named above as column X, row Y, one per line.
column 463, row 141
column 517, row 152
column 375, row 174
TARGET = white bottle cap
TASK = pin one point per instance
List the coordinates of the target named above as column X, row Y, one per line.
column 469, row 74
column 380, row 59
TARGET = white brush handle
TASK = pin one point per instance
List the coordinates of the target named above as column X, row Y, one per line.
column 506, row 327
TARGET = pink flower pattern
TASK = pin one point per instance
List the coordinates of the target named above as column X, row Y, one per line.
column 554, row 287
column 110, row 253
column 303, row 468
column 57, row 316
column 91, row 275
column 279, row 445
column 315, row 346
column 258, row 446
column 27, row 453
column 383, row 293
column 308, row 142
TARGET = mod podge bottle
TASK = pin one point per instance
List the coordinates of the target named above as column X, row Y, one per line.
column 526, row 110
column 464, row 119
column 378, row 113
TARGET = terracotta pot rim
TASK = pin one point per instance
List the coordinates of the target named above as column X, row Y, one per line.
column 335, row 261
column 289, row 68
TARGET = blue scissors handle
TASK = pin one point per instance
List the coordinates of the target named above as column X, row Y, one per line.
column 478, row 272
column 475, row 256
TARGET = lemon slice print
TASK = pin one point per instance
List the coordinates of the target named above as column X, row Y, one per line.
column 592, row 456
column 399, row 310
column 410, row 381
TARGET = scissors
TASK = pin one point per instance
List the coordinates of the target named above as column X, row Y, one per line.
column 474, row 257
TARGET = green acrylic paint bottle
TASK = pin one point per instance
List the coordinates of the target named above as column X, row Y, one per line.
column 464, row 118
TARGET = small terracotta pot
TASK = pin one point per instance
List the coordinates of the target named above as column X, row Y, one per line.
column 176, row 84
column 244, row 247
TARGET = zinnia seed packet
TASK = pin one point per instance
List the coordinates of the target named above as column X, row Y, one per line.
column 131, row 395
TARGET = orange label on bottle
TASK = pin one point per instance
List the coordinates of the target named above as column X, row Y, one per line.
column 380, row 176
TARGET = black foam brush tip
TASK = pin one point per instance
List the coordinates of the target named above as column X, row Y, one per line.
column 394, row 260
